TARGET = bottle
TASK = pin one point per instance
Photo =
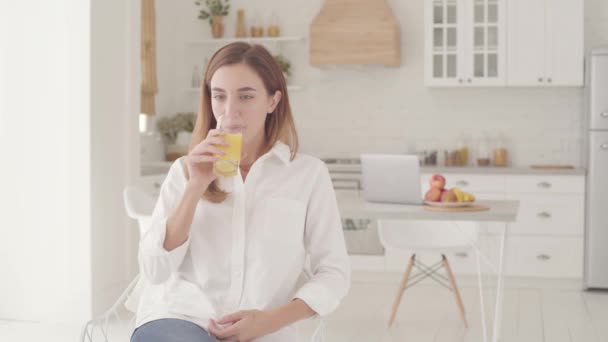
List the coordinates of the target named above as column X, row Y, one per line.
column 483, row 151
column 273, row 28
column 463, row 150
column 257, row 30
column 241, row 31
column 500, row 153
column 196, row 78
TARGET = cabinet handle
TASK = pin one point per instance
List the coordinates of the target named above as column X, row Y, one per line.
column 604, row 146
column 545, row 185
column 604, row 115
column 461, row 254
column 469, row 80
column 460, row 80
column 544, row 214
column 549, row 79
column 543, row 257
column 540, row 79
column 156, row 185
column 462, row 183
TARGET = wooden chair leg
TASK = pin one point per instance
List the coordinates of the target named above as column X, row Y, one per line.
column 452, row 280
column 402, row 287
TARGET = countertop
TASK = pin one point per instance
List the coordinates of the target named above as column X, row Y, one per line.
column 490, row 170
column 149, row 168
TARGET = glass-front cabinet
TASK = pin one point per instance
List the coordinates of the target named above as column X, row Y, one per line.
column 465, row 42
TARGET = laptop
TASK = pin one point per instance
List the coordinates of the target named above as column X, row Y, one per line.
column 391, row 178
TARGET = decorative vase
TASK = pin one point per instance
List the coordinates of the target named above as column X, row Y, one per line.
column 241, row 32
column 217, row 27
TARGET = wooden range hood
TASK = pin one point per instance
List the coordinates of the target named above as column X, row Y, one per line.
column 355, row 32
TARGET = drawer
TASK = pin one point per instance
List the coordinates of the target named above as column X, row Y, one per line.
column 554, row 214
column 559, row 257
column 542, row 184
column 471, row 183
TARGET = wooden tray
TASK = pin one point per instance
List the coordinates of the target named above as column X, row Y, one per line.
column 552, row 167
column 474, row 207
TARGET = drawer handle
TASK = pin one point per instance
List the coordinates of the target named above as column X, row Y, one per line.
column 604, row 146
column 604, row 115
column 544, row 185
column 544, row 214
column 156, row 185
column 462, row 254
column 462, row 183
column 543, row 257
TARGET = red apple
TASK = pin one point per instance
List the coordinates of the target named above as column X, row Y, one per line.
column 437, row 181
column 433, row 195
column 448, row 196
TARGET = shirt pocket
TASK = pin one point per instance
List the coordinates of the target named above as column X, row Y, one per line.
column 284, row 221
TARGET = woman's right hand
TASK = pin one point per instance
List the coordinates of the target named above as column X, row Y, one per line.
column 200, row 160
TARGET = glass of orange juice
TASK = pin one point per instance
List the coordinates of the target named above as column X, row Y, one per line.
column 228, row 164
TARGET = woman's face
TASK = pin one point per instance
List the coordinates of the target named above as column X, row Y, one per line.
column 239, row 98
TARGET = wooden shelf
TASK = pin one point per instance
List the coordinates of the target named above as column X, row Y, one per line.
column 246, row 39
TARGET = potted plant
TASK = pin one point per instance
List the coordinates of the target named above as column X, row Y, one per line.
column 284, row 64
column 216, row 9
column 176, row 132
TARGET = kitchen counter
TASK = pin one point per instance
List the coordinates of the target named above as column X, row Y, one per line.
column 356, row 168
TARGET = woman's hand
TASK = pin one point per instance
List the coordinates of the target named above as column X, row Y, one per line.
column 243, row 326
column 200, row 160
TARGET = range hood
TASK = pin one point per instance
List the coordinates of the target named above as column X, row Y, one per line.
column 355, row 32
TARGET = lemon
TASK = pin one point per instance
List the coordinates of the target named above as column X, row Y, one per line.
column 224, row 168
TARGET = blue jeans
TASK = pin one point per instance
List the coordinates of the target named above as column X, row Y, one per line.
column 171, row 330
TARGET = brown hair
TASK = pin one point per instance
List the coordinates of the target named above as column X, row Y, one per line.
column 279, row 126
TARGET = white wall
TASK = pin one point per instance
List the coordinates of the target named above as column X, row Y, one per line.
column 66, row 117
column 115, row 41
column 387, row 109
column 44, row 258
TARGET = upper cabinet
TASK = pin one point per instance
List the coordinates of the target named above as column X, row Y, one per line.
column 465, row 42
column 504, row 43
column 545, row 43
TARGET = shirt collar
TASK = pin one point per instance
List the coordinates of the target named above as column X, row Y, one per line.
column 281, row 151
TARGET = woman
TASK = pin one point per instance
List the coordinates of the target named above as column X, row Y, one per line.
column 225, row 257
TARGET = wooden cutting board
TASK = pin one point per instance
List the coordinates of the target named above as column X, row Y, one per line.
column 552, row 167
column 474, row 207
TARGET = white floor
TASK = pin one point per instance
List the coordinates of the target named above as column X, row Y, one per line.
column 543, row 310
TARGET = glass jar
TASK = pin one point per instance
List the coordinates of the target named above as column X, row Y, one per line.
column 483, row 152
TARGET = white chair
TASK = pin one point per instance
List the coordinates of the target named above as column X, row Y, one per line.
column 139, row 203
column 427, row 237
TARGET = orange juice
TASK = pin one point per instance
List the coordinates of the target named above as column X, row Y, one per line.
column 227, row 165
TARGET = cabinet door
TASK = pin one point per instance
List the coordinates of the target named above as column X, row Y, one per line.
column 443, row 42
column 564, row 42
column 526, row 52
column 486, row 45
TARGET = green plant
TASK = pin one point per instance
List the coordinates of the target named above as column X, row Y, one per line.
column 284, row 64
column 169, row 127
column 214, row 8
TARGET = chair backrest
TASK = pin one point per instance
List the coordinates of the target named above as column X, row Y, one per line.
column 139, row 205
column 426, row 235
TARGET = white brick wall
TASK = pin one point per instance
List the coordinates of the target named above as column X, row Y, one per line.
column 343, row 111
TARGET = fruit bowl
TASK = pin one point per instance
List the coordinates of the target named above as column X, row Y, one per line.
column 449, row 204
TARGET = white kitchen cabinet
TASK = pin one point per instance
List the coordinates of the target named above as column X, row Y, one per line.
column 547, row 238
column 545, row 43
column 465, row 42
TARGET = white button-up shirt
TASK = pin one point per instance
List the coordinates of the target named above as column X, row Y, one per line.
column 278, row 236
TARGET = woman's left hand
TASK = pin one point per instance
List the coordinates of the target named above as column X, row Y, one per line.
column 242, row 326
